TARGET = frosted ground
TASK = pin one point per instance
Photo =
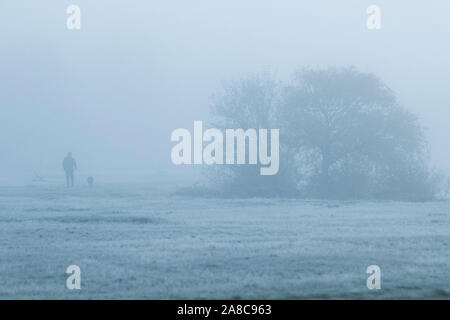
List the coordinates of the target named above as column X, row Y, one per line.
column 138, row 242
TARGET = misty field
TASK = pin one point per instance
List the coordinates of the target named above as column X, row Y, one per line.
column 141, row 243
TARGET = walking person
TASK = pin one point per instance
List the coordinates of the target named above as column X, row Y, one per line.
column 69, row 165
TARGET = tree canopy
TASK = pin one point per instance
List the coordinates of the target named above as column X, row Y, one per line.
column 343, row 135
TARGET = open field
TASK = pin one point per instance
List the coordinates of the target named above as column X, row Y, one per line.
column 140, row 243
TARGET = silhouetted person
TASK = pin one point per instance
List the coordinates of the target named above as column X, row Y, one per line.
column 69, row 166
column 90, row 181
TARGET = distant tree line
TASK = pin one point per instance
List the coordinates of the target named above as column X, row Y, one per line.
column 343, row 135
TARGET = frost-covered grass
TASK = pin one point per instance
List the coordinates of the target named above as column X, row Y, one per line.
column 137, row 242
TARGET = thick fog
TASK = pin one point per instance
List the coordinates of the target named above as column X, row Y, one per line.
column 113, row 91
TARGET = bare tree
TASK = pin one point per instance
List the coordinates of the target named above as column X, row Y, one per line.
column 342, row 135
column 359, row 138
column 250, row 102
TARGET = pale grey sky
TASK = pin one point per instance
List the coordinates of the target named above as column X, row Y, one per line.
column 113, row 91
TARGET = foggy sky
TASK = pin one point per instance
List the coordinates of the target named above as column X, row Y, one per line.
column 113, row 91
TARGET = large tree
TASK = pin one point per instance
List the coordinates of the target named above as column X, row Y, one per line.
column 343, row 134
column 354, row 139
column 250, row 102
